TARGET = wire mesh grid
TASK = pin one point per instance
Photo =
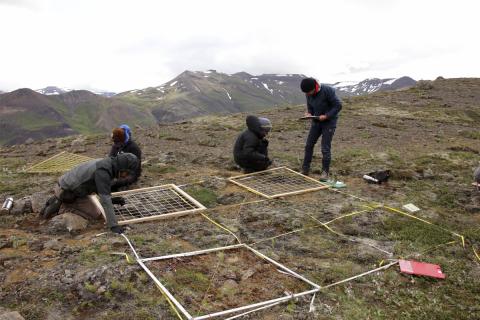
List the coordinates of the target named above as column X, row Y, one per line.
column 153, row 203
column 61, row 162
column 277, row 182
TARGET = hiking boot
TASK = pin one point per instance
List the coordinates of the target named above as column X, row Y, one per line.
column 305, row 171
column 118, row 229
column 324, row 176
column 51, row 208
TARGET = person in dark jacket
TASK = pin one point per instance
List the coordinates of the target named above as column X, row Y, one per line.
column 73, row 190
column 324, row 105
column 251, row 147
column 123, row 142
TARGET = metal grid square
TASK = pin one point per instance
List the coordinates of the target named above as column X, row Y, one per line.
column 277, row 182
column 61, row 162
column 153, row 203
column 237, row 310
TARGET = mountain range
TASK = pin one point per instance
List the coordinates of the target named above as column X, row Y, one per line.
column 52, row 90
column 26, row 114
column 53, row 111
column 372, row 85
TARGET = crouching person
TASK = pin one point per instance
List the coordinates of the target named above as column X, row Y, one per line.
column 95, row 176
column 251, row 148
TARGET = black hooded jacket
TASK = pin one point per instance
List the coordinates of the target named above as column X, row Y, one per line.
column 251, row 144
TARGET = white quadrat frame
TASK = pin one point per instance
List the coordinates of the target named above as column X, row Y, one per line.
column 266, row 303
column 182, row 197
column 60, row 162
column 315, row 184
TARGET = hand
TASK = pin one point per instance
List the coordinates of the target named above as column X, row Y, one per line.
column 322, row 117
column 308, row 114
column 119, row 200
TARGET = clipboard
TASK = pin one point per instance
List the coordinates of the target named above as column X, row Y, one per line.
column 308, row 117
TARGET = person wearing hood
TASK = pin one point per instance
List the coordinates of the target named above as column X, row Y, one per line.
column 251, row 147
column 95, row 176
column 123, row 143
column 324, row 105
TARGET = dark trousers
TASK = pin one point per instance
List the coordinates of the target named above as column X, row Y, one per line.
column 326, row 132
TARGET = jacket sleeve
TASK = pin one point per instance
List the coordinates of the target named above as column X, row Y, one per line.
column 102, row 182
column 115, row 149
column 250, row 149
column 335, row 103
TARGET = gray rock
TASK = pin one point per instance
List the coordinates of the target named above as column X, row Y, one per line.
column 428, row 174
column 11, row 315
column 215, row 183
column 247, row 274
column 167, row 158
column 56, row 313
column 38, row 200
column 78, row 145
column 297, row 223
column 6, row 243
column 29, row 141
column 35, row 245
column 67, row 222
column 53, row 244
column 228, row 287
column 21, row 206
column 230, row 198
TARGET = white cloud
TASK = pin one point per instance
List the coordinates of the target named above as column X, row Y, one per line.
column 121, row 45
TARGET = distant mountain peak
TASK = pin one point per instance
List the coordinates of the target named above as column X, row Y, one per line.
column 371, row 85
column 53, row 90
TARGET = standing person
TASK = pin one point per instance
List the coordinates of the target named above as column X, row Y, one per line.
column 123, row 142
column 95, row 176
column 251, row 147
column 324, row 105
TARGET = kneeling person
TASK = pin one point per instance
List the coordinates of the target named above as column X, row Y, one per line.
column 251, row 148
column 95, row 176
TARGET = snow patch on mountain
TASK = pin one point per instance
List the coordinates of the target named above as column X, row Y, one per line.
column 266, row 87
column 52, row 90
column 228, row 94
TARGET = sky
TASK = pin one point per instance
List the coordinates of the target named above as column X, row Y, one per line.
column 119, row 45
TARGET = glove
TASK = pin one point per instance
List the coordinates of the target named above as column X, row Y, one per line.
column 117, row 229
column 119, row 200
